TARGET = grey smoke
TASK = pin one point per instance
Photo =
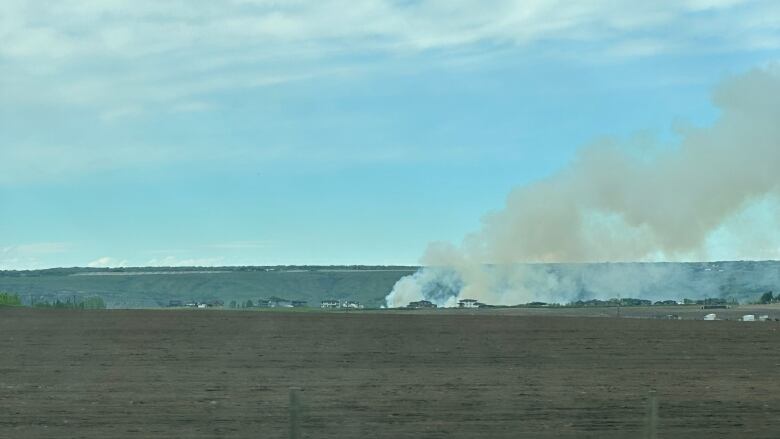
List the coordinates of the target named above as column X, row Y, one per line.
column 713, row 193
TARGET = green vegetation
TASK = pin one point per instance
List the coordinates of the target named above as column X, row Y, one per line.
column 8, row 299
column 74, row 303
column 768, row 297
column 157, row 287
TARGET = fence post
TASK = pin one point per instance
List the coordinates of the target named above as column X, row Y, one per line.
column 652, row 416
column 295, row 413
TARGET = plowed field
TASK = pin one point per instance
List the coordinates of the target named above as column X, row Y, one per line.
column 222, row 374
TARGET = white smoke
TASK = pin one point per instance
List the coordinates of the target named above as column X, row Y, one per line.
column 620, row 203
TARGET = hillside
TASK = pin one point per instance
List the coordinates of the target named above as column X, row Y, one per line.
column 139, row 287
column 152, row 287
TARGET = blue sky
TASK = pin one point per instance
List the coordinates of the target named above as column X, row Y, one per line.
column 329, row 132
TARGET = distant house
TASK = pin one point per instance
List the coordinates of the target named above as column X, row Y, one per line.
column 635, row 302
column 330, row 304
column 468, row 303
column 352, row 304
column 421, row 304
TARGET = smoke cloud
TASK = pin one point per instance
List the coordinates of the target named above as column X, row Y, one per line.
column 691, row 200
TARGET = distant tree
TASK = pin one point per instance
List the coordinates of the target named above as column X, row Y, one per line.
column 93, row 303
column 767, row 297
column 249, row 304
column 233, row 304
column 8, row 299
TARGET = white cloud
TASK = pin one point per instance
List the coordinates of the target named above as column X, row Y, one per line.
column 107, row 262
column 120, row 61
column 129, row 53
column 173, row 261
column 30, row 256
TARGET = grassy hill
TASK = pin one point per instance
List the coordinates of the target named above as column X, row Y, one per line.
column 152, row 287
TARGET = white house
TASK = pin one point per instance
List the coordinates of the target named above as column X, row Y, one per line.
column 330, row 304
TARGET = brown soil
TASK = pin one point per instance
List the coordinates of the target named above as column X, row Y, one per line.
column 221, row 374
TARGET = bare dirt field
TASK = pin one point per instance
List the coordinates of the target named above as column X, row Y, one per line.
column 222, row 374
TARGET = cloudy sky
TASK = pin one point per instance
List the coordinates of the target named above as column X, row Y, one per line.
column 147, row 132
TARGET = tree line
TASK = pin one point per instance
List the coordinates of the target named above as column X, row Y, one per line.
column 94, row 302
column 8, row 299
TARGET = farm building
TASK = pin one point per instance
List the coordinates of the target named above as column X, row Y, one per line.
column 468, row 303
column 421, row 304
column 352, row 304
column 330, row 304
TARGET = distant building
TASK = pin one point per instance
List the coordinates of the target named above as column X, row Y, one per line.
column 274, row 302
column 710, row 317
column 666, row 302
column 421, row 304
column 352, row 304
column 280, row 303
column 330, row 304
column 468, row 303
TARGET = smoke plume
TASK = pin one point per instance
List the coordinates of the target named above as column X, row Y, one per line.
column 702, row 197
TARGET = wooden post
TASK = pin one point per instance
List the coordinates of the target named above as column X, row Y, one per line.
column 295, row 412
column 652, row 416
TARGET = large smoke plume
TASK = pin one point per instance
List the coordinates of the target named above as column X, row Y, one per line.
column 711, row 194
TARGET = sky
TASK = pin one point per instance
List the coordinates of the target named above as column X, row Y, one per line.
column 253, row 132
